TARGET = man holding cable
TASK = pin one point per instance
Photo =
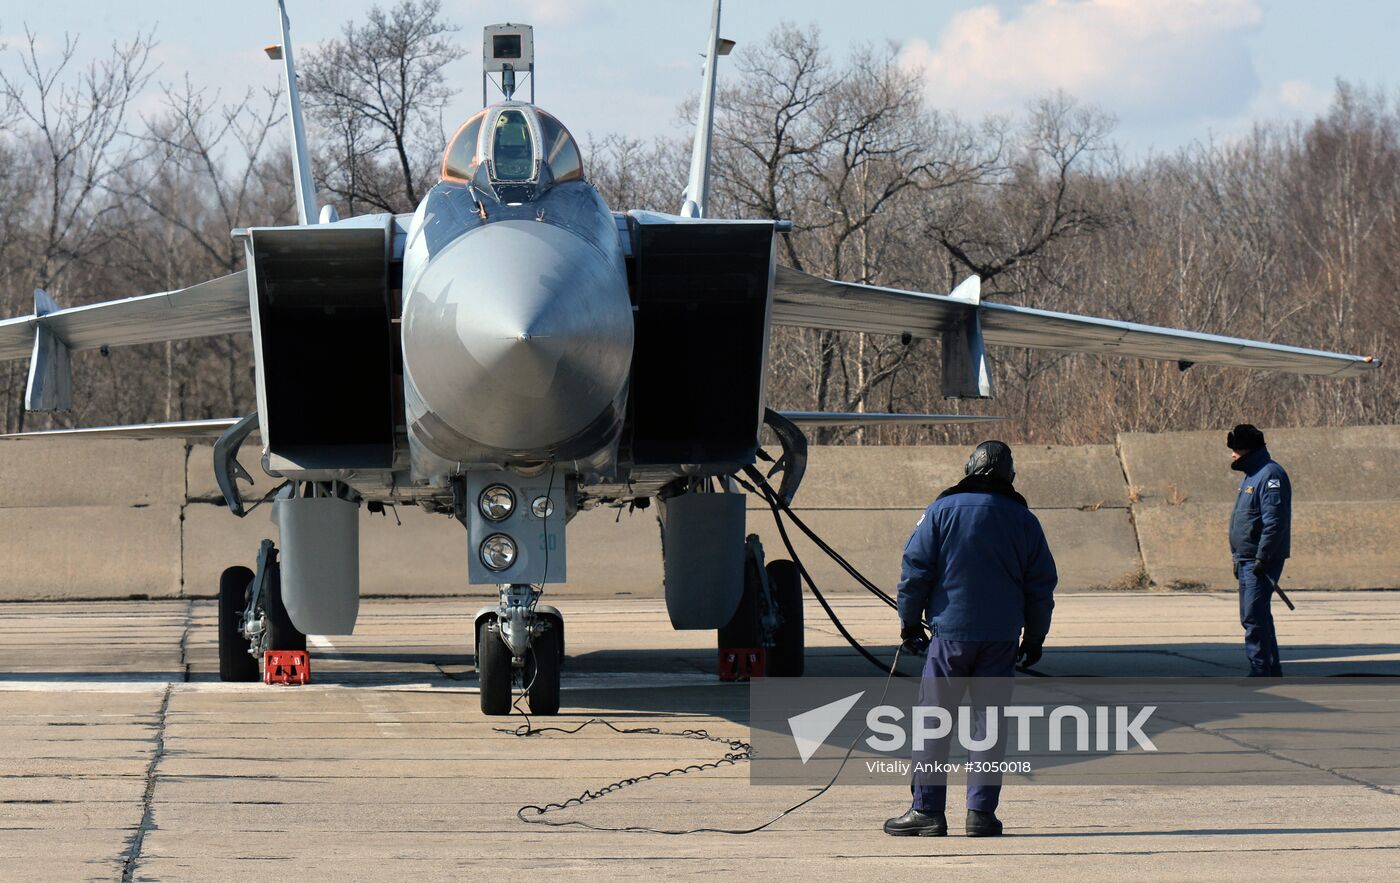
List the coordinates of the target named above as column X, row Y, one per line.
column 978, row 569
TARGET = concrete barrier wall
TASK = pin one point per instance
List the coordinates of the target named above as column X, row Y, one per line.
column 1346, row 512
column 865, row 502
column 103, row 518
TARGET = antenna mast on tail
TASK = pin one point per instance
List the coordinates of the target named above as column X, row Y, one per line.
column 697, row 189
column 301, row 158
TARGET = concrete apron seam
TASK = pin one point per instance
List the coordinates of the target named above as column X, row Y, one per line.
column 132, row 858
column 1187, row 656
column 185, row 640
column 1278, row 755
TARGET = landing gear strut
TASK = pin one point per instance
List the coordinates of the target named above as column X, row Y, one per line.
column 519, row 644
column 252, row 617
column 768, row 621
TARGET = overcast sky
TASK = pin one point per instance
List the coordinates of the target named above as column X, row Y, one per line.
column 1172, row 71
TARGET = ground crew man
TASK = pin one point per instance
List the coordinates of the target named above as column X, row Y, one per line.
column 1259, row 539
column 978, row 569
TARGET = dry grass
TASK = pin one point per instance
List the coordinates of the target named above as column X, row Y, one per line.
column 1187, row 585
column 1136, row 580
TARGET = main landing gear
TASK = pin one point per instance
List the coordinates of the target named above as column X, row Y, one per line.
column 252, row 618
column 519, row 645
column 765, row 635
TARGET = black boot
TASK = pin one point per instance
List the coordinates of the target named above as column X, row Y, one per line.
column 982, row 824
column 917, row 823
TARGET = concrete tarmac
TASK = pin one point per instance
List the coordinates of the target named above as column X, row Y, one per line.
column 122, row 756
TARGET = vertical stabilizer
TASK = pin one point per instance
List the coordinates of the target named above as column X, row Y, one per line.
column 697, row 189
column 301, row 157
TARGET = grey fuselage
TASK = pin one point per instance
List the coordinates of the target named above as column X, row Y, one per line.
column 517, row 330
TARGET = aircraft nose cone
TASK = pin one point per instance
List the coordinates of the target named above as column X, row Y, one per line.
column 526, row 325
column 518, row 336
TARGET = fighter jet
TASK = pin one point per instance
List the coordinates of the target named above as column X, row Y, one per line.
column 513, row 352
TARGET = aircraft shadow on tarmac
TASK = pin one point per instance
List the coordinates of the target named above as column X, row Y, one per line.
column 730, row 701
column 666, row 669
column 1207, row 832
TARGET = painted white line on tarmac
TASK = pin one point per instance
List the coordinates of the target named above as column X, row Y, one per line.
column 64, row 682
column 320, row 641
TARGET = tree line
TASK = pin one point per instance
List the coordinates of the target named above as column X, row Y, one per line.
column 1290, row 233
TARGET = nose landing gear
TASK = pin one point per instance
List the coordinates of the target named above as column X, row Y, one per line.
column 519, row 644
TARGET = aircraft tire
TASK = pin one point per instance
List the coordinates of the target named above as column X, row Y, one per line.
column 493, row 669
column 786, row 658
column 282, row 635
column 543, row 667
column 235, row 662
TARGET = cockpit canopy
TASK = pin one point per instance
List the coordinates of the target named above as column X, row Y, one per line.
column 513, row 146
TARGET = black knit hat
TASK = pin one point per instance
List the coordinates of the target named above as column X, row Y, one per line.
column 1244, row 437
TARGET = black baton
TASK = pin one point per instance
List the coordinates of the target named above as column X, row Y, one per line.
column 1277, row 588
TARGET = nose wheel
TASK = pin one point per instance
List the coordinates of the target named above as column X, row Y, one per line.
column 493, row 668
column 543, row 667
column 519, row 647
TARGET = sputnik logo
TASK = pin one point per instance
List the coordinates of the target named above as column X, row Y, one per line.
column 810, row 728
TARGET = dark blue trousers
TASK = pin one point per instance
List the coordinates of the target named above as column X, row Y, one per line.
column 952, row 670
column 1257, row 617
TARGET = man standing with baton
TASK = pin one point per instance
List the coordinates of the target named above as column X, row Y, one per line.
column 1259, row 544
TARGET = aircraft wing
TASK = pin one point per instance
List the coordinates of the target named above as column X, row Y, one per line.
column 194, row 429
column 811, row 302
column 186, row 429
column 219, row 306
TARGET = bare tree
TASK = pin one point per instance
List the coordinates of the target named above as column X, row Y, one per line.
column 380, row 90
column 630, row 173
column 1038, row 202
column 202, row 171
column 75, row 124
column 843, row 151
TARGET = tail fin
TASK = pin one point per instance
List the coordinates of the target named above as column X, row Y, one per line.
column 697, row 189
column 301, row 157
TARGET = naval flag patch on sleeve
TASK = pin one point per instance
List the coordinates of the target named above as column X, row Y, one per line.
column 1273, row 483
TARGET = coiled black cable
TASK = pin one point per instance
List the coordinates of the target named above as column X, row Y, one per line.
column 739, row 750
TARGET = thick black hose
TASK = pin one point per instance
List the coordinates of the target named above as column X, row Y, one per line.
column 771, row 498
column 766, row 491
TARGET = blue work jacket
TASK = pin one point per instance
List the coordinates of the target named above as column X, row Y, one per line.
column 1261, row 525
column 977, row 568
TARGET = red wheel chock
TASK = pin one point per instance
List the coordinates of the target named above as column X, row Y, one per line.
column 740, row 663
column 289, row 667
